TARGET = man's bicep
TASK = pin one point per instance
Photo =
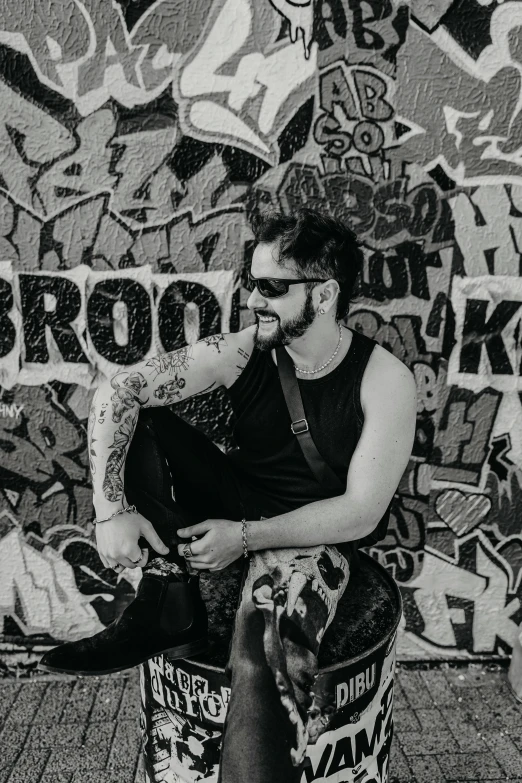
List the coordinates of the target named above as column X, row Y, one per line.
column 384, row 448
column 174, row 376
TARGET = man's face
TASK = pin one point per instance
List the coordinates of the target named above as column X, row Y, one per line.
column 285, row 318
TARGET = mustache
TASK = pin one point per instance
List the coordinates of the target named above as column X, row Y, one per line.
column 265, row 312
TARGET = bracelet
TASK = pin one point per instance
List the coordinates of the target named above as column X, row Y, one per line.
column 244, row 537
column 132, row 509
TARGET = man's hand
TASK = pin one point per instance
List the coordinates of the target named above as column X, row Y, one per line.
column 221, row 544
column 117, row 540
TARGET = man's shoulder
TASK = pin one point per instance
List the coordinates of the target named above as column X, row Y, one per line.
column 386, row 377
column 243, row 339
column 237, row 349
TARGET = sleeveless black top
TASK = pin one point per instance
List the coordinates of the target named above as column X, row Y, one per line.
column 269, row 462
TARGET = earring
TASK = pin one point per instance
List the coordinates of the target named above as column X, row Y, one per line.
column 321, row 311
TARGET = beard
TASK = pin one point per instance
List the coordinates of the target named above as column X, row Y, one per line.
column 285, row 333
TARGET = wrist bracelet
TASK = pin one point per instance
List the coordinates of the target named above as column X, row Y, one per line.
column 132, row 509
column 244, row 537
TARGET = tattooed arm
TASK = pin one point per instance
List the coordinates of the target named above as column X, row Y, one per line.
column 163, row 380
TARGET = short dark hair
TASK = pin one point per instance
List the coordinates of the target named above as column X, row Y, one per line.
column 317, row 244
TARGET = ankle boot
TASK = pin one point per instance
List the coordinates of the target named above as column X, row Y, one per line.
column 167, row 616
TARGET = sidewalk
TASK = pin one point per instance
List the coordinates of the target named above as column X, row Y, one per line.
column 451, row 724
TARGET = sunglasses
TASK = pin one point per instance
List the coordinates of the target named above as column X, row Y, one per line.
column 272, row 287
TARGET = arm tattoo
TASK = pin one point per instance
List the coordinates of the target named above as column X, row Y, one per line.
column 169, row 391
column 171, row 362
column 113, row 481
column 240, row 367
column 215, row 340
column 90, row 440
column 127, row 388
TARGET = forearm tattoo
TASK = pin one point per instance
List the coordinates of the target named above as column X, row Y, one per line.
column 128, row 388
column 90, row 440
column 113, row 482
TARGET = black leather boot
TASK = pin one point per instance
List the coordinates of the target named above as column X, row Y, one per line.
column 167, row 616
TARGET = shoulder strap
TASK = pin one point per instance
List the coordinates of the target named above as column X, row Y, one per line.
column 294, row 402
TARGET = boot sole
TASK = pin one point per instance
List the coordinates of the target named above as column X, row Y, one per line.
column 181, row 651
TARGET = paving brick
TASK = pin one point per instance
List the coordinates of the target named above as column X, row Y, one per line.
column 74, row 760
column 8, row 693
column 26, row 704
column 426, row 769
column 130, row 703
column 125, row 746
column 428, row 742
column 476, row 708
column 97, row 776
column 139, row 775
column 99, row 735
column 503, row 704
column 399, row 768
column 53, row 702
column 81, row 699
column 87, row 731
column 430, row 719
column 29, row 766
column 413, row 686
column 505, row 752
column 56, row 777
column 61, row 735
column 470, row 766
column 12, row 740
column 107, row 700
column 399, row 699
column 466, row 733
column 439, row 688
column 405, row 720
column 473, row 676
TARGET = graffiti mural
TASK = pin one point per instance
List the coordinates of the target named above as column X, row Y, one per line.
column 136, row 142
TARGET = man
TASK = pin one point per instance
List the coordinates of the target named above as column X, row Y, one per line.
column 261, row 500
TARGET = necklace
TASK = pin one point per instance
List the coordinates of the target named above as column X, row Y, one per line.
column 313, row 372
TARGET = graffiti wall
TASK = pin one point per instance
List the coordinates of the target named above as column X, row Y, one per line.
column 137, row 138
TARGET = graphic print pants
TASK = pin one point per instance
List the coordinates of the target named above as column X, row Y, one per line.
column 176, row 476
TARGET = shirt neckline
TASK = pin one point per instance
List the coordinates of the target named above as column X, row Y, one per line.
column 346, row 357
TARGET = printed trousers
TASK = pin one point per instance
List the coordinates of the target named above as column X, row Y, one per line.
column 176, row 476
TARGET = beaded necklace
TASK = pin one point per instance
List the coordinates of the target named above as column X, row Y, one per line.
column 312, row 372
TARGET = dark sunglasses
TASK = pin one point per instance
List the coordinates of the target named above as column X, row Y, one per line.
column 272, row 287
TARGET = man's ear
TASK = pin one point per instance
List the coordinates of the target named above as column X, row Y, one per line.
column 329, row 293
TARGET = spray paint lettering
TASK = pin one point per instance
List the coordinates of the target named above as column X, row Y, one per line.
column 133, row 150
column 70, row 320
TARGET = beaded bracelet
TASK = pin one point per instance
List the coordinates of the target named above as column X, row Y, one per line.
column 132, row 509
column 244, row 536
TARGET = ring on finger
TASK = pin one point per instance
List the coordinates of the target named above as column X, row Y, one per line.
column 118, row 567
column 187, row 551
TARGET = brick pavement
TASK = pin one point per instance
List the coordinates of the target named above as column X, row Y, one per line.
column 451, row 724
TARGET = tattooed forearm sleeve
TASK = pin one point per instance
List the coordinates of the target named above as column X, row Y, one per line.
column 113, row 481
column 163, row 380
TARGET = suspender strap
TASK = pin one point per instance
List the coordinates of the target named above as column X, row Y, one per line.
column 294, row 402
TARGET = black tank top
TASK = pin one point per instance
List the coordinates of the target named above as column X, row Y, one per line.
column 269, row 461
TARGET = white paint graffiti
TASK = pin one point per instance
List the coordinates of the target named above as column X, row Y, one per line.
column 489, row 588
column 38, row 588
